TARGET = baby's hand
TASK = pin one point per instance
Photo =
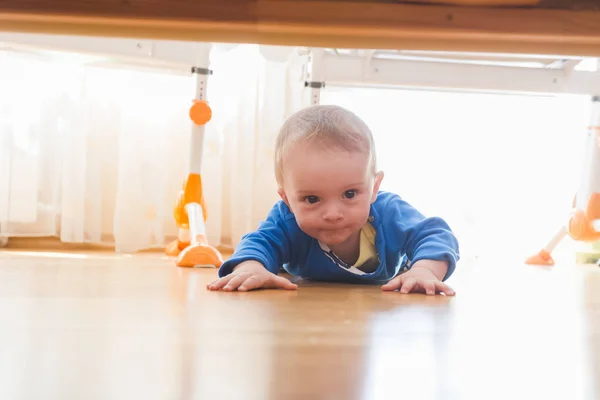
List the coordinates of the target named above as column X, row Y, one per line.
column 250, row 275
column 421, row 279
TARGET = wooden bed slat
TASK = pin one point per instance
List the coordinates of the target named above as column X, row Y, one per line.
column 353, row 24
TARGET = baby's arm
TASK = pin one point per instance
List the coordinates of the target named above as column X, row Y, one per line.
column 258, row 257
column 430, row 246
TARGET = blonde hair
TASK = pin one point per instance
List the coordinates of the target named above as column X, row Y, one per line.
column 327, row 125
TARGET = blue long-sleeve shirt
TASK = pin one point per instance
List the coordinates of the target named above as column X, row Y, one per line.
column 403, row 237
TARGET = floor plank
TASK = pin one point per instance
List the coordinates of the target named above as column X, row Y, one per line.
column 101, row 326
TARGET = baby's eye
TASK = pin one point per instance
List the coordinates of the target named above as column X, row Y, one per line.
column 349, row 194
column 311, row 199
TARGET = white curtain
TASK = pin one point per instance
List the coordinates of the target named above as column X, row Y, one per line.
column 254, row 89
column 502, row 169
column 97, row 154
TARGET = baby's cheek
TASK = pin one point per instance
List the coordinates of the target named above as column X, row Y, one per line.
column 303, row 221
column 361, row 216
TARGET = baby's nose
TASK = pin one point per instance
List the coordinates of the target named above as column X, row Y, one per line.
column 332, row 214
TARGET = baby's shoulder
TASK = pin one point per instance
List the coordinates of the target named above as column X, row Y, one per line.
column 282, row 216
column 384, row 199
column 282, row 212
column 390, row 208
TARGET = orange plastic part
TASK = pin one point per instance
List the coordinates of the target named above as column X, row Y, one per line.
column 191, row 192
column 200, row 112
column 580, row 221
column 175, row 247
column 199, row 254
column 541, row 258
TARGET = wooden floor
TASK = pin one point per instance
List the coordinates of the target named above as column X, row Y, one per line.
column 100, row 326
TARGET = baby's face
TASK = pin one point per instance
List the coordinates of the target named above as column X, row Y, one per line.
column 329, row 191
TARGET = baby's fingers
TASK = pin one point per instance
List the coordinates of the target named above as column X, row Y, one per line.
column 393, row 284
column 274, row 282
column 253, row 282
column 429, row 287
column 219, row 283
column 235, row 282
column 281, row 282
column 408, row 285
column 441, row 287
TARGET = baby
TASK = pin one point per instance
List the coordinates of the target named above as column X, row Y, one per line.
column 333, row 223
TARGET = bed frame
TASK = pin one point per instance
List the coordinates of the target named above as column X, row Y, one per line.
column 558, row 27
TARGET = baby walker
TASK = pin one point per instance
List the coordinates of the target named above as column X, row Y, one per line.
column 584, row 220
column 191, row 247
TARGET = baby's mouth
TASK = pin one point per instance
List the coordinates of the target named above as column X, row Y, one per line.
column 332, row 230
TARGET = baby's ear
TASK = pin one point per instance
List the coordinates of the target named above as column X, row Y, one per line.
column 377, row 183
column 281, row 193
